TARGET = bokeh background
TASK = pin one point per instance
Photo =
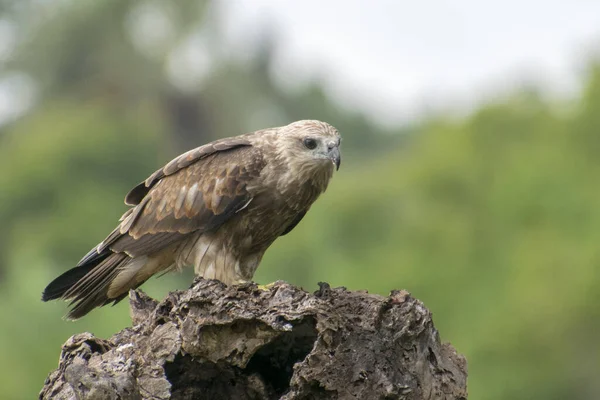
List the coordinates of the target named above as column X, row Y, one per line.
column 471, row 160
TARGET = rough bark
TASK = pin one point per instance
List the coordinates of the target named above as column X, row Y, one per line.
column 242, row 342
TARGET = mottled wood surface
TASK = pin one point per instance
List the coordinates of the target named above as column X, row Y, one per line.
column 241, row 342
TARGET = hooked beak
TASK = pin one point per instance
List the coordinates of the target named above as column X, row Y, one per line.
column 335, row 157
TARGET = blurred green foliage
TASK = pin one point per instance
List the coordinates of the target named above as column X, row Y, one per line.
column 493, row 223
column 491, row 220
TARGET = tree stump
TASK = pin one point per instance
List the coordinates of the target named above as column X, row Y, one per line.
column 214, row 341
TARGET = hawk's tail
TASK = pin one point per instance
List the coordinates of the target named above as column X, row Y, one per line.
column 86, row 286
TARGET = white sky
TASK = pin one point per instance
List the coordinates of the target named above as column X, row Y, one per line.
column 396, row 59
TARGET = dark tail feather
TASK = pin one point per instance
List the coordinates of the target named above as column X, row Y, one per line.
column 58, row 287
column 87, row 286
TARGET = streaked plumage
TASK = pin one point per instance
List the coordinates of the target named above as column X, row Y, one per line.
column 217, row 207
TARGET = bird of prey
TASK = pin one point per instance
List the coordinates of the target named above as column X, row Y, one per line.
column 217, row 208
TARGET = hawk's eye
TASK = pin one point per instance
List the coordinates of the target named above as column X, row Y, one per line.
column 310, row 143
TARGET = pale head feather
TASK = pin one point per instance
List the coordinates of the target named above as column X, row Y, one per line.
column 305, row 163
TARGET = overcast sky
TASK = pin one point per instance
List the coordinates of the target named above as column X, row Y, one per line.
column 397, row 58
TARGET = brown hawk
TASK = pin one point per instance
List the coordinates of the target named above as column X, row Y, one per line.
column 217, row 207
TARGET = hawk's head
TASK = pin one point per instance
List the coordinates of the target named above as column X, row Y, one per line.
column 310, row 148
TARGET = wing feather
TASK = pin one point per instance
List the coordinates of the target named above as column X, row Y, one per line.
column 195, row 196
column 135, row 196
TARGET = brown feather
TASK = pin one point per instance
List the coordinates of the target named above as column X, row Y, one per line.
column 171, row 208
column 136, row 194
column 147, row 244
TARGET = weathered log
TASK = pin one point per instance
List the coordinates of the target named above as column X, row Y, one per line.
column 242, row 342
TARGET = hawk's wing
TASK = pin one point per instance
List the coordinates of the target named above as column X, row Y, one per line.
column 135, row 196
column 197, row 191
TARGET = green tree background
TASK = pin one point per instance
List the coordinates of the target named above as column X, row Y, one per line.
column 492, row 219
